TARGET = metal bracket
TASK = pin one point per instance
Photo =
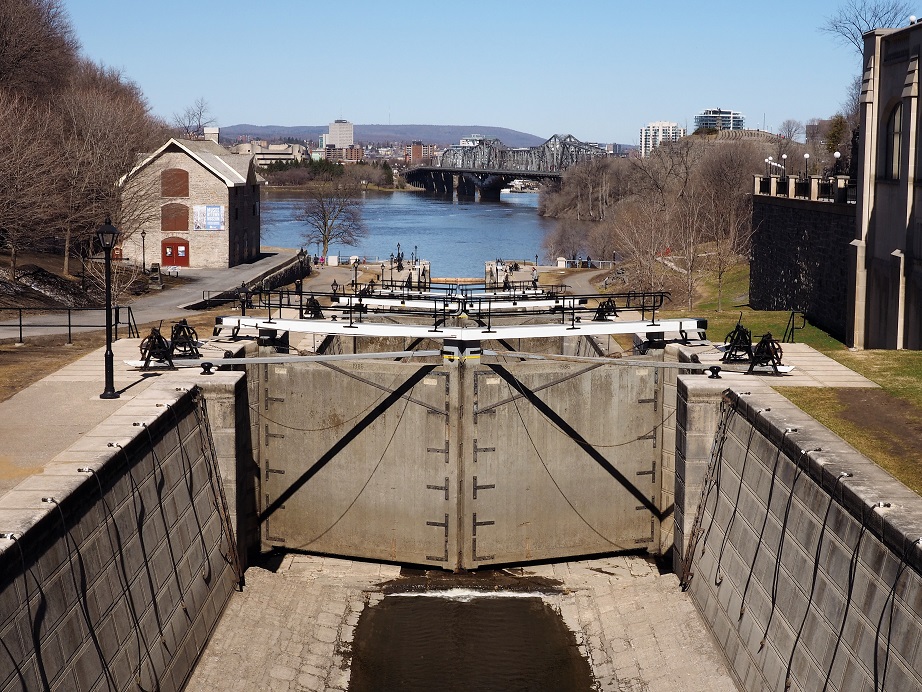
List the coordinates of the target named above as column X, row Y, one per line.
column 481, row 487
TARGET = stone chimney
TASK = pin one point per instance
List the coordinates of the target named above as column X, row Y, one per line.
column 212, row 133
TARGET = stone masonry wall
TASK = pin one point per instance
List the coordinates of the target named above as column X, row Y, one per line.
column 800, row 259
column 117, row 560
column 807, row 557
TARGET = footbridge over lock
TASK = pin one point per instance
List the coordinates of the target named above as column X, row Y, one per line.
column 471, row 450
column 487, row 165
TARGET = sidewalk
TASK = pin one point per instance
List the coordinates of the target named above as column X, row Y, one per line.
column 167, row 304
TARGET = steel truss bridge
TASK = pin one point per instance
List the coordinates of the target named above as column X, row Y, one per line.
column 490, row 165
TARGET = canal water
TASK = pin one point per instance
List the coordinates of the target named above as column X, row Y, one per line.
column 457, row 237
column 481, row 631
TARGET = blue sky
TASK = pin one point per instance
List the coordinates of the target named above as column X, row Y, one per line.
column 596, row 69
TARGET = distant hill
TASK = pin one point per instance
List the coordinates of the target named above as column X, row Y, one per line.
column 442, row 135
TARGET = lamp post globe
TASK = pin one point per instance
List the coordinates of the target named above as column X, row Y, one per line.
column 784, row 165
column 837, row 155
column 107, row 235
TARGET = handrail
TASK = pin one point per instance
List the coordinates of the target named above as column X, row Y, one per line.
column 789, row 330
column 20, row 325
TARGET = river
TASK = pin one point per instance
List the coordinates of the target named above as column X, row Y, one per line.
column 457, row 237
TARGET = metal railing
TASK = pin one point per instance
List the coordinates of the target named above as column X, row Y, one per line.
column 122, row 316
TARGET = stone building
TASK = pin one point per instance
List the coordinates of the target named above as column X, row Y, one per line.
column 885, row 309
column 204, row 207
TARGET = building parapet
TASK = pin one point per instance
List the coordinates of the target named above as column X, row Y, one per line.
column 839, row 189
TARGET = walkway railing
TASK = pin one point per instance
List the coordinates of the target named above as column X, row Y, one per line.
column 72, row 319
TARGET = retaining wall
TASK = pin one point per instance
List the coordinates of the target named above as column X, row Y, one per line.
column 800, row 258
column 116, row 578
column 809, row 578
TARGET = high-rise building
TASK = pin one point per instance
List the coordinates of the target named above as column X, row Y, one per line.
column 340, row 135
column 656, row 133
column 719, row 119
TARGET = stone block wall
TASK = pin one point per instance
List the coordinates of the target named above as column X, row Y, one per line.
column 807, row 561
column 799, row 259
column 117, row 560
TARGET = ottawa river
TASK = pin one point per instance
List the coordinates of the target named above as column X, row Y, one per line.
column 456, row 237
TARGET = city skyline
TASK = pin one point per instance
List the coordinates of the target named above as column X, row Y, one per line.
column 598, row 71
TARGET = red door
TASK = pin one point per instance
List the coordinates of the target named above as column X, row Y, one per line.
column 174, row 252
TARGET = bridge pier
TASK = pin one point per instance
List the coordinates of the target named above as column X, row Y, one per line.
column 466, row 187
column 490, row 194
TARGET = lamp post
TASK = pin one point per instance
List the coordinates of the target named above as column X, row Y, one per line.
column 398, row 252
column 107, row 235
column 143, row 252
column 355, row 275
column 771, row 164
column 806, row 161
column 784, row 166
column 415, row 255
column 767, row 171
column 835, row 167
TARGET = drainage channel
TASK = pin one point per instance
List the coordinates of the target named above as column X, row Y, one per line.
column 483, row 631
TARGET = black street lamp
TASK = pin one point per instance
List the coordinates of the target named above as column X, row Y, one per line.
column 398, row 252
column 107, row 235
column 806, row 161
column 784, row 166
column 143, row 252
column 415, row 255
column 835, row 168
column 355, row 275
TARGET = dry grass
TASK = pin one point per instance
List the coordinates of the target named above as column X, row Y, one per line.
column 21, row 366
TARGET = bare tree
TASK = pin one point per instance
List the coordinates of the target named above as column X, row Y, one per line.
column 725, row 177
column 37, row 46
column 690, row 233
column 104, row 124
column 332, row 212
column 27, row 164
column 191, row 123
column 854, row 18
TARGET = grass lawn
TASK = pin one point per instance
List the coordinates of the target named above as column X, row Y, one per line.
column 882, row 424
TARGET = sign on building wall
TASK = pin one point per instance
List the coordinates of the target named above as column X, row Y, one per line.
column 208, row 217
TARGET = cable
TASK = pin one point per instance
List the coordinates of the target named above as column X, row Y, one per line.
column 780, row 551
column 368, row 480
column 217, row 486
column 385, row 392
column 554, row 481
column 881, row 677
column 852, row 570
column 723, row 544
column 80, row 591
column 816, row 569
column 768, row 504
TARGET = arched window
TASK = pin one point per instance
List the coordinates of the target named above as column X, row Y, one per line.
column 174, row 217
column 893, row 143
column 174, row 182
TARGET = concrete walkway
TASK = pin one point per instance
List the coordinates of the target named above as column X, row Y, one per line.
column 811, row 369
column 293, row 629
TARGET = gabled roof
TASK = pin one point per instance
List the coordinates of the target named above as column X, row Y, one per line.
column 232, row 169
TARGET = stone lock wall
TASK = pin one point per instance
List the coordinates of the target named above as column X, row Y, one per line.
column 805, row 556
column 800, row 252
column 116, row 562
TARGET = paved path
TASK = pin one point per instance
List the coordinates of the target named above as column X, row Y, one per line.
column 166, row 304
column 293, row 629
column 811, row 369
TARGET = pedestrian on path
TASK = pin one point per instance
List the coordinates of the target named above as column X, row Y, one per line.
column 534, row 278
